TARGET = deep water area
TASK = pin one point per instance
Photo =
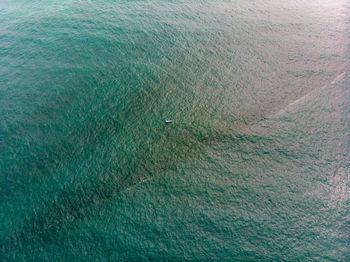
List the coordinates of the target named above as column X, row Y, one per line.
column 255, row 165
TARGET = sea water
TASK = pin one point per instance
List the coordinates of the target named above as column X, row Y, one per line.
column 254, row 166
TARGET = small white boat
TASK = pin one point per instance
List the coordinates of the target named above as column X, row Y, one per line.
column 168, row 121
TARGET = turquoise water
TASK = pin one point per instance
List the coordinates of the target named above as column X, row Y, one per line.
column 255, row 165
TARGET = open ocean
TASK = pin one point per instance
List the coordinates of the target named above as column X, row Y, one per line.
column 254, row 167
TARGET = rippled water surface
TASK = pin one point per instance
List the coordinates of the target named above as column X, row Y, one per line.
column 255, row 165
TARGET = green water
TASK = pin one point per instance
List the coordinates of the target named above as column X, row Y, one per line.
column 255, row 165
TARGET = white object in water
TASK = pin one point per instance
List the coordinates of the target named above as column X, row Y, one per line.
column 168, row 121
